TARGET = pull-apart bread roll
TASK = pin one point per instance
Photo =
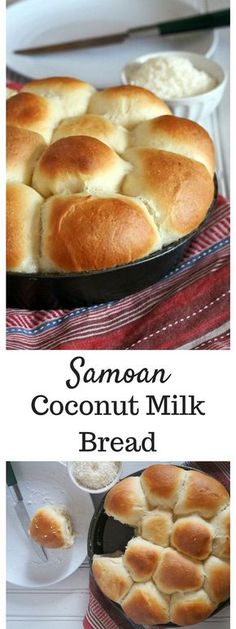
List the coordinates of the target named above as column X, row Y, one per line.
column 99, row 127
column 112, row 576
column 24, row 148
column 72, row 95
column 52, row 527
column 33, row 112
column 177, row 189
column 77, row 164
column 176, row 135
column 85, row 233
column 23, row 228
column 178, row 562
column 127, row 105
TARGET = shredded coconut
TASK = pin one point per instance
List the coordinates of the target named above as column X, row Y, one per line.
column 171, row 77
column 94, row 475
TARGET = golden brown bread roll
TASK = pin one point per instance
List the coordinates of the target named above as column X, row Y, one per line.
column 177, row 135
column 85, row 233
column 161, row 484
column 156, row 527
column 127, row 105
column 33, row 112
column 178, row 190
column 201, row 494
column 71, row 94
column 175, row 574
column 193, row 537
column 23, row 228
column 51, row 527
column 112, row 576
column 77, row 164
column 24, row 148
column 141, row 558
column 113, row 135
column 144, row 604
column 126, row 501
column 190, row 608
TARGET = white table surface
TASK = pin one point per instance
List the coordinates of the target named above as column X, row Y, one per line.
column 63, row 606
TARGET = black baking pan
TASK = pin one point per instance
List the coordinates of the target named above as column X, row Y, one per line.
column 107, row 536
column 46, row 291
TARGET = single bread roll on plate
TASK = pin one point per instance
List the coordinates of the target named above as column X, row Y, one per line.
column 24, row 148
column 77, row 164
column 23, row 227
column 51, row 527
column 71, row 94
column 85, row 233
column 127, row 105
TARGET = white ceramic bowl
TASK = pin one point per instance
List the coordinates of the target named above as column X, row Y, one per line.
column 101, row 490
column 194, row 107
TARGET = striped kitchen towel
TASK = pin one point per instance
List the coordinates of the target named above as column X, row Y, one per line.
column 187, row 309
column 101, row 614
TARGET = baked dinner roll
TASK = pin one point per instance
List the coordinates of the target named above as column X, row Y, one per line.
column 177, row 573
column 24, row 148
column 141, row 558
column 177, row 135
column 98, row 127
column 127, row 105
column 77, row 164
column 201, row 494
column 156, row 527
column 193, row 537
column 72, row 95
column 172, row 563
column 33, row 112
column 178, row 190
column 161, row 484
column 51, row 527
column 112, row 576
column 217, row 583
column 23, row 227
column 126, row 501
column 85, row 233
column 190, row 608
column 144, row 604
column 221, row 526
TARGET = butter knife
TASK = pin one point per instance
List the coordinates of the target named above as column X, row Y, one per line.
column 21, row 511
column 203, row 21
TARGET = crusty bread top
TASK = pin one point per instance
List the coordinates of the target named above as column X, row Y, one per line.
column 72, row 94
column 33, row 112
column 51, row 527
column 24, row 148
column 127, row 105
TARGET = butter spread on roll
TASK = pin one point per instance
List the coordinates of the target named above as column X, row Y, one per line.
column 51, row 527
column 178, row 560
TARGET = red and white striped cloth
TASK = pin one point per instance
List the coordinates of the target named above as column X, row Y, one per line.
column 101, row 614
column 187, row 309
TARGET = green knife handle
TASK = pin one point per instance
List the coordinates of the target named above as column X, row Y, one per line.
column 196, row 22
column 11, row 479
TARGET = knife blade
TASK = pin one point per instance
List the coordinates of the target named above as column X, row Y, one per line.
column 22, row 512
column 203, row 21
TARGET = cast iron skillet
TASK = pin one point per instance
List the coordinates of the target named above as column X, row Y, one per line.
column 107, row 535
column 71, row 290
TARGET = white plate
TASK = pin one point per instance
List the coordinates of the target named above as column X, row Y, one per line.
column 33, row 23
column 42, row 484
